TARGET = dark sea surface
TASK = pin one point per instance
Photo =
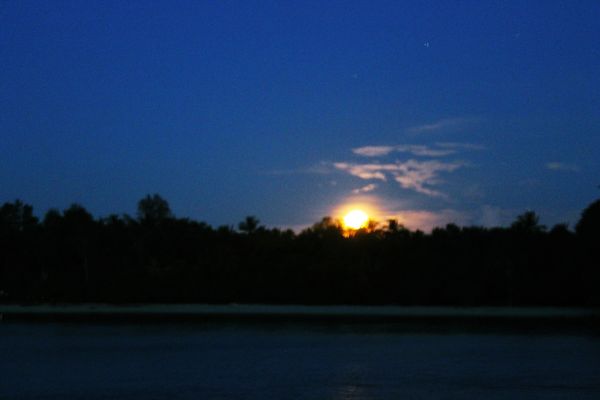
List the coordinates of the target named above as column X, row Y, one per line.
column 296, row 360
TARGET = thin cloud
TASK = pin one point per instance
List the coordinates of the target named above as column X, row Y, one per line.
column 425, row 151
column 437, row 150
column 558, row 166
column 417, row 150
column 373, row 151
column 365, row 189
column 419, row 176
column 363, row 171
column 461, row 146
column 438, row 125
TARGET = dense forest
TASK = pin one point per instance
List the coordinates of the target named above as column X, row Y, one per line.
column 70, row 257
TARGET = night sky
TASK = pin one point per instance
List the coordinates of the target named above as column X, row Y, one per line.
column 430, row 112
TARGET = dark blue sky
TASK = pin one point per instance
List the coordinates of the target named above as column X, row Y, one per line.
column 430, row 112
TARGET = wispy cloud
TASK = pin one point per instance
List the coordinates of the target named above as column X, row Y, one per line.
column 414, row 149
column 420, row 150
column 364, row 171
column 365, row 189
column 419, row 176
column 559, row 166
column 374, row 151
column 422, row 173
column 439, row 125
column 460, row 146
column 437, row 150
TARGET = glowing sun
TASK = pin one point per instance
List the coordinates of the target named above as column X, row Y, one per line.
column 356, row 219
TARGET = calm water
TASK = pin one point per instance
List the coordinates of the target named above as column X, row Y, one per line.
column 293, row 361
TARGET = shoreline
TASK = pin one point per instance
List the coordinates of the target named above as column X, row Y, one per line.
column 258, row 312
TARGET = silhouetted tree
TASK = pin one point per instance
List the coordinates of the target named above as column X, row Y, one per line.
column 588, row 233
column 589, row 223
column 153, row 209
column 560, row 230
column 393, row 225
column 52, row 219
column 528, row 222
column 78, row 220
column 18, row 243
column 72, row 257
column 249, row 225
column 326, row 228
column 17, row 216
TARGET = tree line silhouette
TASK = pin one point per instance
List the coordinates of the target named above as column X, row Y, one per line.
column 71, row 256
